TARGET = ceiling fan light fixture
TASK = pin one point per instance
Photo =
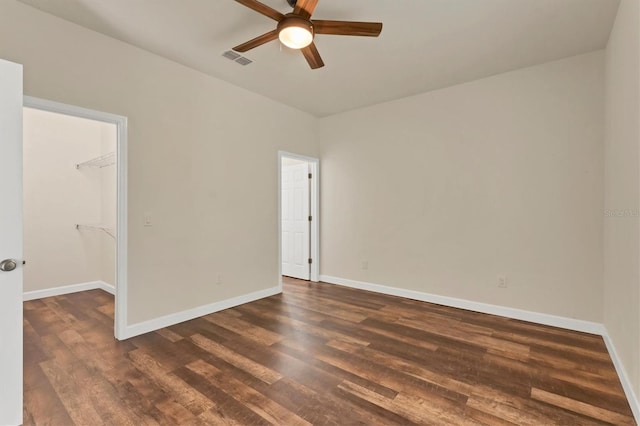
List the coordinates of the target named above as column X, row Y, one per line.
column 295, row 32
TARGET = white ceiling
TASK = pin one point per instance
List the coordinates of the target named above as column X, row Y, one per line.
column 424, row 45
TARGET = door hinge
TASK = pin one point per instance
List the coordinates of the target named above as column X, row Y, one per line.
column 310, row 218
column 309, row 175
column 310, row 261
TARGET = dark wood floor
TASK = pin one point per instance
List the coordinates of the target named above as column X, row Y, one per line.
column 318, row 354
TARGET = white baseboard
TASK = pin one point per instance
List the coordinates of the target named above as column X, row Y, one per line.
column 178, row 317
column 624, row 377
column 68, row 289
column 109, row 288
column 157, row 323
column 535, row 317
column 503, row 311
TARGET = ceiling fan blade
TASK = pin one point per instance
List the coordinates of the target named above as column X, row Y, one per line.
column 258, row 41
column 263, row 9
column 305, row 8
column 312, row 56
column 348, row 28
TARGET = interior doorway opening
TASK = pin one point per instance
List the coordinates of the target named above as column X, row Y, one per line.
column 75, row 202
column 69, row 199
column 299, row 216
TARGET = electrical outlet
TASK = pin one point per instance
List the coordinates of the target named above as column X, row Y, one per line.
column 502, row 281
column 148, row 220
column 365, row 264
column 219, row 279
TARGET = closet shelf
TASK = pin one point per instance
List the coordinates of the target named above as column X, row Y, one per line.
column 99, row 162
column 108, row 230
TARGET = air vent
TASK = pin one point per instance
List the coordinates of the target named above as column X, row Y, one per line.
column 230, row 54
column 243, row 61
column 234, row 56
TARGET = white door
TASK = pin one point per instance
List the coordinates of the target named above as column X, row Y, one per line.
column 11, row 243
column 295, row 221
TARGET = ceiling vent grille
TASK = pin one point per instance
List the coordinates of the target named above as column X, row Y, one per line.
column 230, row 54
column 243, row 61
column 233, row 56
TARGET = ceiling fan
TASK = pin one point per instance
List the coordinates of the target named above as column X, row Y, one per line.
column 297, row 30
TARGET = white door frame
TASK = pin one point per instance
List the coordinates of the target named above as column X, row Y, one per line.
column 120, row 320
column 314, row 196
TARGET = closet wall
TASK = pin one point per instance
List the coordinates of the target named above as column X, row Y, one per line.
column 57, row 196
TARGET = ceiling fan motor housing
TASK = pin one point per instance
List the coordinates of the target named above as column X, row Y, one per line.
column 292, row 20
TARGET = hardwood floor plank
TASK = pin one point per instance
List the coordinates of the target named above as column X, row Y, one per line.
column 460, row 334
column 72, row 393
column 227, row 408
column 315, row 329
column 377, row 371
column 406, row 367
column 583, row 394
column 337, row 372
column 581, row 408
column 591, row 381
column 176, row 413
column 435, row 339
column 170, row 356
column 486, row 419
column 42, row 404
column 524, row 411
column 257, row 370
column 391, row 336
column 258, row 403
column 329, row 311
column 373, row 402
column 248, row 330
column 184, row 394
column 140, row 394
column 169, row 335
column 34, row 351
column 316, row 354
column 413, row 409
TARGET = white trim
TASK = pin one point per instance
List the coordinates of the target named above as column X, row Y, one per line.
column 315, row 223
column 536, row 317
column 189, row 314
column 67, row 289
column 109, row 288
column 632, row 398
column 314, row 196
column 121, row 202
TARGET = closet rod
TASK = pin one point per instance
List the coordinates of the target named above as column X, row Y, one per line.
column 106, row 229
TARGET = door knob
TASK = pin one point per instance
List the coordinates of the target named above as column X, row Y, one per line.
column 8, row 265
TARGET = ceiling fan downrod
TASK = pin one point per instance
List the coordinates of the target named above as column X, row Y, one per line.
column 292, row 3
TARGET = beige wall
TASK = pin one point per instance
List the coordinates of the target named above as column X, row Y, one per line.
column 211, row 214
column 622, row 180
column 442, row 192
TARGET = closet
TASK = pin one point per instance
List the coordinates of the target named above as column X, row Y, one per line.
column 69, row 203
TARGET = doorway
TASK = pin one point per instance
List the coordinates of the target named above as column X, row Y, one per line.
column 299, row 216
column 91, row 215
